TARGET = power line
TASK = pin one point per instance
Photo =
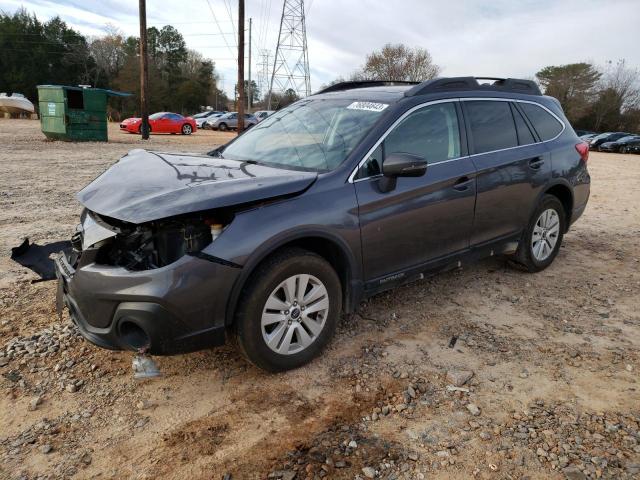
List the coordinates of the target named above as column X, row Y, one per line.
column 228, row 7
column 220, row 29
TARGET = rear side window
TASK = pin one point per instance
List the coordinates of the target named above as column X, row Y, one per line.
column 525, row 137
column 546, row 125
column 492, row 126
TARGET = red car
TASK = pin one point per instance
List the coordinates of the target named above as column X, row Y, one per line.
column 162, row 122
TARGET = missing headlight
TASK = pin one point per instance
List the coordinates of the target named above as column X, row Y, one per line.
column 157, row 244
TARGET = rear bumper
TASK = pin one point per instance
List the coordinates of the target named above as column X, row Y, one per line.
column 179, row 308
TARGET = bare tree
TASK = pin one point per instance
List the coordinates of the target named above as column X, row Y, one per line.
column 109, row 54
column 619, row 92
column 399, row 62
column 625, row 82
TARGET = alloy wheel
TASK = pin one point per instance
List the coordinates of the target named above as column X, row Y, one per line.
column 295, row 314
column 545, row 234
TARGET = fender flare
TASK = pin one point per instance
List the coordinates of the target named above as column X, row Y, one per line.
column 553, row 183
column 354, row 268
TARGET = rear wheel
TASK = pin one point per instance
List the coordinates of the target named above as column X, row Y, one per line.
column 623, row 150
column 186, row 129
column 288, row 311
column 541, row 240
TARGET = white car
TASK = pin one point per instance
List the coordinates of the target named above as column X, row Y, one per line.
column 262, row 114
column 202, row 117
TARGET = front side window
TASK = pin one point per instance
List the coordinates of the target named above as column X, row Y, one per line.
column 492, row 125
column 547, row 126
column 431, row 132
column 315, row 135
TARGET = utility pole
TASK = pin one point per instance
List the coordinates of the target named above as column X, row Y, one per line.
column 241, row 100
column 249, row 92
column 144, row 71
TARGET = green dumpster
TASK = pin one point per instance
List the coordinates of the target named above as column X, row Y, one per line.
column 74, row 113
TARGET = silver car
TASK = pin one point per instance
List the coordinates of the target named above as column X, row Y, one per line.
column 262, row 114
column 229, row 121
column 202, row 117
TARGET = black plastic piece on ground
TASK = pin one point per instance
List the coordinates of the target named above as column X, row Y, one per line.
column 36, row 257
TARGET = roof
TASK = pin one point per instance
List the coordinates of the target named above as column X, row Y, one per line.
column 394, row 91
column 389, row 94
column 112, row 93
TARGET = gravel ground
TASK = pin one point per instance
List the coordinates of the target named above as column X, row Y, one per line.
column 485, row 372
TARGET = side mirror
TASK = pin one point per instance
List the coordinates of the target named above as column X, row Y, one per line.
column 400, row 165
column 404, row 165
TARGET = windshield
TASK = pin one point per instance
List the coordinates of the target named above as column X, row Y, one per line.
column 156, row 116
column 201, row 115
column 626, row 138
column 312, row 135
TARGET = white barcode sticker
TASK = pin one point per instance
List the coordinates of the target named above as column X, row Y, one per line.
column 368, row 106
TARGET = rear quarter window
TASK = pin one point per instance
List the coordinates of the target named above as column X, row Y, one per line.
column 547, row 126
column 492, row 125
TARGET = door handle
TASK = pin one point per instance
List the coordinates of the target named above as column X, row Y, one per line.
column 536, row 163
column 462, row 184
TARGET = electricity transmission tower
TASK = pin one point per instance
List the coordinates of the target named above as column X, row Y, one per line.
column 263, row 71
column 291, row 64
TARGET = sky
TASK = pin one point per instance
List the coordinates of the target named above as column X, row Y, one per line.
column 496, row 38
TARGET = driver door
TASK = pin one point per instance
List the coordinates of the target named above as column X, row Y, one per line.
column 425, row 218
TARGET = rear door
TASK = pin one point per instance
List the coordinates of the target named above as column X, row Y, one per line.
column 512, row 167
column 423, row 218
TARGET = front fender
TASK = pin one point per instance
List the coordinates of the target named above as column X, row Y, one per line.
column 255, row 234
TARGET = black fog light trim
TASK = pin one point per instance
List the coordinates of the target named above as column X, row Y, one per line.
column 133, row 335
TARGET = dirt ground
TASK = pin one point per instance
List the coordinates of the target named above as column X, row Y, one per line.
column 555, row 358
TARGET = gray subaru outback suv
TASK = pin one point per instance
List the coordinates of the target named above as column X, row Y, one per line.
column 351, row 191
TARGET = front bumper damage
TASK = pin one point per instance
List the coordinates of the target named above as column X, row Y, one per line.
column 177, row 308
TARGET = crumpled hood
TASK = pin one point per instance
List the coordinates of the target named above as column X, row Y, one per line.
column 145, row 186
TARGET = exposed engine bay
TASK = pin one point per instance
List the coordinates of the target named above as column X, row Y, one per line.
column 146, row 246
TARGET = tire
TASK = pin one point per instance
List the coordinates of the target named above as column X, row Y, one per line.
column 222, row 127
column 307, row 334
column 533, row 255
column 187, row 129
column 623, row 150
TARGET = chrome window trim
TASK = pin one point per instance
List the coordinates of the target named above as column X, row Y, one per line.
column 352, row 179
column 388, row 131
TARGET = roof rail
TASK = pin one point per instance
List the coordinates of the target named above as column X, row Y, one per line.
column 336, row 87
column 471, row 83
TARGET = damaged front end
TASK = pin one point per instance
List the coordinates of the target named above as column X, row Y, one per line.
column 147, row 287
column 151, row 245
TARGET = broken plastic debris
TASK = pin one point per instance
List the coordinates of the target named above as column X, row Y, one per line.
column 144, row 367
column 451, row 388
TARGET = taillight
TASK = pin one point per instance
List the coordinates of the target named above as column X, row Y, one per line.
column 583, row 150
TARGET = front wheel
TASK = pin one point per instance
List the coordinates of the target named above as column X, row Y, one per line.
column 541, row 240
column 186, row 129
column 623, row 149
column 289, row 310
column 222, row 127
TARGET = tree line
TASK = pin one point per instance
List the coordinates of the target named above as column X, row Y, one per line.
column 182, row 80
column 36, row 53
